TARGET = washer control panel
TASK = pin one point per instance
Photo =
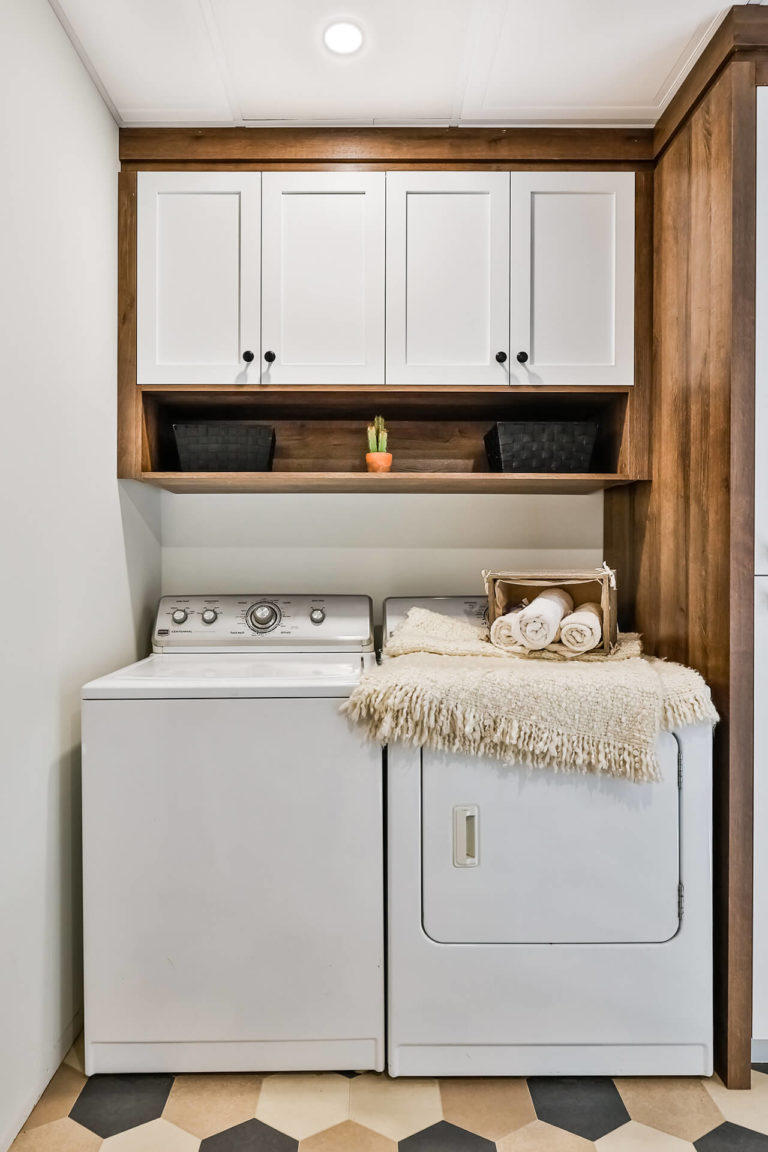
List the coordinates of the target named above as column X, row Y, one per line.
column 263, row 622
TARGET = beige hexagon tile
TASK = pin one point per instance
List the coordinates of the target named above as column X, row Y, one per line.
column 302, row 1104
column 212, row 1102
column 678, row 1105
column 750, row 1109
column 491, row 1107
column 157, row 1136
column 75, row 1058
column 395, row 1108
column 542, row 1137
column 634, row 1137
column 60, row 1136
column 57, row 1100
column 347, row 1137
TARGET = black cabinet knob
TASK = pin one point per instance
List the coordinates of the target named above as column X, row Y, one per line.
column 501, row 357
column 270, row 357
column 248, row 356
column 522, row 357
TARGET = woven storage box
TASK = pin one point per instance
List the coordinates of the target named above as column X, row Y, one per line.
column 506, row 590
column 225, row 446
column 541, row 445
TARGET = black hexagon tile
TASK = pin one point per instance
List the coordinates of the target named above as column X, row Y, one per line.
column 444, row 1137
column 732, row 1138
column 588, row 1106
column 113, row 1103
column 252, row 1136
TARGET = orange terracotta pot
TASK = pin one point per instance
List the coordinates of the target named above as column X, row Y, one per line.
column 378, row 461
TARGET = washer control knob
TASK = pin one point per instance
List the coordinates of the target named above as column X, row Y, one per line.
column 179, row 615
column 263, row 617
column 317, row 615
column 209, row 616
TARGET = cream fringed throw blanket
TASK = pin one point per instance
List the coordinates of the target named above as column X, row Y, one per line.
column 450, row 689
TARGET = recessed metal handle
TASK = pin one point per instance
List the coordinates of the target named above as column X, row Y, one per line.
column 501, row 357
column 248, row 356
column 522, row 357
column 465, row 836
column 270, row 357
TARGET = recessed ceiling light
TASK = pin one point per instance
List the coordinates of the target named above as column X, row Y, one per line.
column 343, row 37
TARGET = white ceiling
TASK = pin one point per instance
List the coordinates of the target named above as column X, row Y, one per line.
column 466, row 62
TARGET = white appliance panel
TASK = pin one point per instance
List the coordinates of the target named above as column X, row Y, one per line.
column 216, row 899
column 633, row 1009
column 556, row 858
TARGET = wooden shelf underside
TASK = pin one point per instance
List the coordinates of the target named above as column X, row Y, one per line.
column 478, row 482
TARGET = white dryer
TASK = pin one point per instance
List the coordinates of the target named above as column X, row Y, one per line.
column 233, row 855
column 546, row 924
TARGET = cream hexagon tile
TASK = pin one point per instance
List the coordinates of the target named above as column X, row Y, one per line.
column 491, row 1107
column 347, row 1137
column 395, row 1108
column 678, row 1105
column 75, row 1058
column 211, row 1102
column 57, row 1100
column 157, row 1136
column 302, row 1104
column 60, row 1136
column 749, row 1109
column 542, row 1137
column 634, row 1137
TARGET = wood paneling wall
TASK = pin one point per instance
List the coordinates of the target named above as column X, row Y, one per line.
column 684, row 542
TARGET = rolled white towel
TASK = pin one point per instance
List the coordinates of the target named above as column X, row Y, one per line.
column 505, row 632
column 539, row 622
column 583, row 629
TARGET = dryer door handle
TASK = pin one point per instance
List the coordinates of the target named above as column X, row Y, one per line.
column 465, row 835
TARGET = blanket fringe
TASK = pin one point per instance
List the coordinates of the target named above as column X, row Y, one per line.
column 390, row 712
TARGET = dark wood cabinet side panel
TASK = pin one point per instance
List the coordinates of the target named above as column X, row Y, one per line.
column 686, row 539
column 129, row 413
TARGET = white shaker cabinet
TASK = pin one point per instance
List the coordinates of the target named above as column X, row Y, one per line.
column 323, row 278
column 198, row 264
column 447, row 278
column 572, row 279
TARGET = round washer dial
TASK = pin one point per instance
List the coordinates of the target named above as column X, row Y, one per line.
column 263, row 617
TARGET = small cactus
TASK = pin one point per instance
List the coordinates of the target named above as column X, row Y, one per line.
column 377, row 435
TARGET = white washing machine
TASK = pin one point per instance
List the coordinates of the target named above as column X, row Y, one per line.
column 545, row 924
column 232, row 840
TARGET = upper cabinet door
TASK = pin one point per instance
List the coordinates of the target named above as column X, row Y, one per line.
column 572, row 278
column 323, row 278
column 447, row 278
column 198, row 277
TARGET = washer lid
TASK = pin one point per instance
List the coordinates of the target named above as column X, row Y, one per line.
column 168, row 677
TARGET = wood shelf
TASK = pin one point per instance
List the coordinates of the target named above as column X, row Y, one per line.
column 573, row 484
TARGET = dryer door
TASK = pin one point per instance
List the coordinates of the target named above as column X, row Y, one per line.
column 512, row 855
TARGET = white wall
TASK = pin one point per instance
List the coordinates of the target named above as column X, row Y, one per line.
column 380, row 545
column 760, row 1008
column 80, row 554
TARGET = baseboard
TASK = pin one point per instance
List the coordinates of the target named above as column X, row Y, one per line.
column 56, row 1053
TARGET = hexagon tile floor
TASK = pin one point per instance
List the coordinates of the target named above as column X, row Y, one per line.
column 345, row 1112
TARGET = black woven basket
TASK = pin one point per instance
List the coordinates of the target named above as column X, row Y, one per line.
column 225, row 446
column 541, row 445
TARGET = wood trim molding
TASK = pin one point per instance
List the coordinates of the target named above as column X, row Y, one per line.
column 744, row 30
column 385, row 145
